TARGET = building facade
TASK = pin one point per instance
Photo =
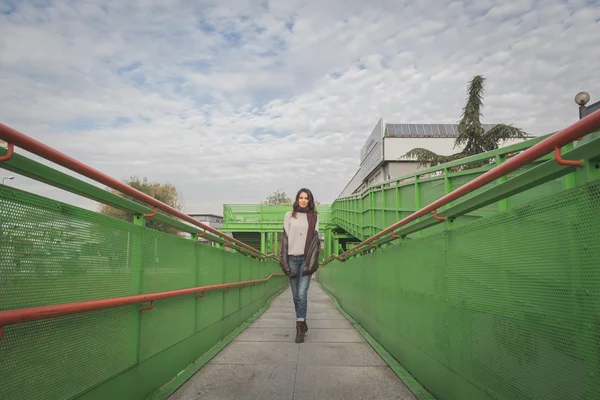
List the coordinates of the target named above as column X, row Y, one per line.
column 382, row 156
column 212, row 220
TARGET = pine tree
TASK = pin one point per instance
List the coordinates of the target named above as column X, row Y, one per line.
column 470, row 132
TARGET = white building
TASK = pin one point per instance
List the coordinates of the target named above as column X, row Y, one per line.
column 381, row 157
column 212, row 220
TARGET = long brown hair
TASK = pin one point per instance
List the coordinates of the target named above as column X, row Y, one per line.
column 311, row 202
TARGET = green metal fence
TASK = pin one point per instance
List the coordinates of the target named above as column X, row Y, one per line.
column 263, row 217
column 262, row 224
column 503, row 306
column 365, row 214
column 54, row 253
column 507, row 307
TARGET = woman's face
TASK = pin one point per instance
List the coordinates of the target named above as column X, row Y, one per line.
column 303, row 200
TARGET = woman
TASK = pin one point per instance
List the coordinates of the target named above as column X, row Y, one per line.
column 299, row 256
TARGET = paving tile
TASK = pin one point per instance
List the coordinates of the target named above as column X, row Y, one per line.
column 311, row 316
column 349, row 383
column 311, row 309
column 333, row 336
column 258, row 334
column 229, row 382
column 278, row 315
column 329, row 323
column 267, row 322
column 257, row 353
column 289, row 318
column 350, row 354
column 282, row 302
column 326, row 315
column 274, row 323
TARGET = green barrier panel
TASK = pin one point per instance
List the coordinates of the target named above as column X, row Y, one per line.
column 506, row 307
column 53, row 253
column 365, row 214
column 263, row 217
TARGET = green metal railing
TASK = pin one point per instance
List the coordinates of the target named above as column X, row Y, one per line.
column 93, row 307
column 263, row 217
column 263, row 223
column 363, row 215
column 504, row 306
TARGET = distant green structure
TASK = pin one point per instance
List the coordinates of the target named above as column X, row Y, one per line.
column 260, row 225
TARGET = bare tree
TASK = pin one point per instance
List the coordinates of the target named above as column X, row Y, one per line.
column 278, row 198
column 164, row 192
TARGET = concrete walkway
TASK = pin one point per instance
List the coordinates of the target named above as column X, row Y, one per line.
column 264, row 362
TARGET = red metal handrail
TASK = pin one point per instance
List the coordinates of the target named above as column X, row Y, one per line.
column 21, row 315
column 581, row 128
column 16, row 138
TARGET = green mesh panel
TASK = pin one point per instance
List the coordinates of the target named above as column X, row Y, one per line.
column 231, row 273
column 245, row 275
column 407, row 197
column 53, row 253
column 506, row 307
column 540, row 191
column 431, row 191
column 459, row 181
column 168, row 264
column 390, row 196
column 378, row 198
column 209, row 309
column 390, row 217
column 379, row 223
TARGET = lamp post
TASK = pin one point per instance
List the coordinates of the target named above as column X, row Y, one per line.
column 7, row 177
column 582, row 98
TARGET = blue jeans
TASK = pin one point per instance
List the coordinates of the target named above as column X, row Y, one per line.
column 299, row 286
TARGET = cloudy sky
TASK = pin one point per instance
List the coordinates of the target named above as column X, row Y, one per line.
column 232, row 100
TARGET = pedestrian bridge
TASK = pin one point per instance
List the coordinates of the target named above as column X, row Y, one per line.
column 477, row 279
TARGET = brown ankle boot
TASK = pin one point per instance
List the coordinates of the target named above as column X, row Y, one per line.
column 305, row 327
column 300, row 332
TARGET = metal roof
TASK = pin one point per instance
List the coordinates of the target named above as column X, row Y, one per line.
column 593, row 107
column 425, row 130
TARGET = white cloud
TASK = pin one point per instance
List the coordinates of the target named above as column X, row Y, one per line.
column 233, row 100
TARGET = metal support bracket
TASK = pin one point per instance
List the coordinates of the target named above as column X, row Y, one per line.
column 9, row 154
column 201, row 295
column 436, row 216
column 153, row 214
column 149, row 307
column 562, row 161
